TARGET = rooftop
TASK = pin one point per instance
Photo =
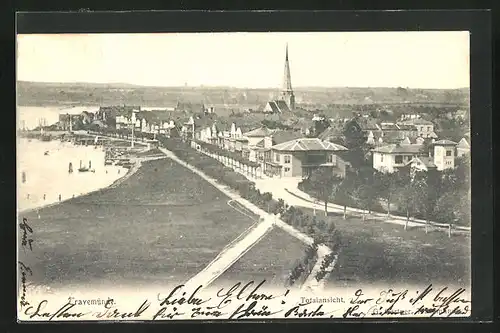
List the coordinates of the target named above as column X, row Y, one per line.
column 417, row 121
column 284, row 136
column 259, row 132
column 425, row 160
column 445, row 143
column 463, row 143
column 399, row 148
column 308, row 144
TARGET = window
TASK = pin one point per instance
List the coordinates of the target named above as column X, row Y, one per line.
column 277, row 157
column 287, row 169
column 448, row 153
column 330, row 158
column 381, row 158
column 428, row 128
column 399, row 159
column 287, row 159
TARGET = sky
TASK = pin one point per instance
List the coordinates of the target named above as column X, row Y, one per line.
column 249, row 60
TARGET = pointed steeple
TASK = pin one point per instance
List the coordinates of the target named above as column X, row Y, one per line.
column 287, row 92
column 287, row 80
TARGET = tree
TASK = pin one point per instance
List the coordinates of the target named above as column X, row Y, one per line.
column 344, row 193
column 387, row 185
column 426, row 196
column 320, row 126
column 406, row 199
column 365, row 192
column 325, row 185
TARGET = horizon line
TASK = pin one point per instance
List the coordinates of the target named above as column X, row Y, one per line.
column 236, row 87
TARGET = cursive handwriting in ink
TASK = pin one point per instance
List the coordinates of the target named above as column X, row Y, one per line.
column 174, row 299
column 353, row 311
column 118, row 314
column 300, row 312
column 360, row 298
column 62, row 312
column 198, row 312
column 422, row 295
column 442, row 304
column 25, row 241
column 251, row 311
column 453, row 298
column 165, row 313
column 243, row 293
column 24, row 269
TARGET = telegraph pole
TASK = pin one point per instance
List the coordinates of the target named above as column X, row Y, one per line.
column 133, row 127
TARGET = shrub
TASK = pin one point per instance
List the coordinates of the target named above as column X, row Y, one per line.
column 325, row 264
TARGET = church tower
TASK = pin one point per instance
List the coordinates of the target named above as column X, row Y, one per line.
column 287, row 92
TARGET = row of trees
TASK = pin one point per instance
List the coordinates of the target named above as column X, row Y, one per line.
column 323, row 232
column 303, row 267
column 442, row 196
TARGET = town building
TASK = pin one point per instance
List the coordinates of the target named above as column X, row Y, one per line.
column 424, row 127
column 276, row 106
column 392, row 157
column 421, row 163
column 108, row 114
column 444, row 154
column 373, row 133
column 286, row 101
column 300, row 157
column 188, row 129
column 259, row 141
column 409, row 116
column 190, row 108
column 463, row 147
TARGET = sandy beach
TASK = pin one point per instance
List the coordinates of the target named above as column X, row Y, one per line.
column 47, row 177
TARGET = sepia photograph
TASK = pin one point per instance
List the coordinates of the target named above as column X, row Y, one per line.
column 243, row 175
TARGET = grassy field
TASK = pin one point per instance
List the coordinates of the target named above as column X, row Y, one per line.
column 270, row 259
column 374, row 252
column 162, row 225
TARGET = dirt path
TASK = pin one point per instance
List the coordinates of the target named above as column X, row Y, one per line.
column 236, row 249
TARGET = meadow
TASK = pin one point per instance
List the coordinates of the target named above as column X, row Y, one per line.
column 161, row 225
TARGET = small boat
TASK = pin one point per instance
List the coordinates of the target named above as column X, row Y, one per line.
column 82, row 168
column 46, row 153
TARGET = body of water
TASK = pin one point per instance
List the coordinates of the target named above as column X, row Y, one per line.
column 29, row 116
column 43, row 172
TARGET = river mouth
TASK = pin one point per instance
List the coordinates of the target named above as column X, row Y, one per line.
column 44, row 176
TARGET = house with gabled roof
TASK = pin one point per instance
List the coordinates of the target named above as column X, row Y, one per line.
column 300, row 157
column 421, row 163
column 391, row 157
column 463, row 147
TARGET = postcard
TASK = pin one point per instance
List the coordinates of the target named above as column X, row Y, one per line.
column 240, row 176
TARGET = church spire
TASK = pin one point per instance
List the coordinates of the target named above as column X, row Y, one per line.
column 287, row 80
column 287, row 92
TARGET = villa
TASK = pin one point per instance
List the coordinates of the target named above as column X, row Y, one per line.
column 440, row 156
column 300, row 157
